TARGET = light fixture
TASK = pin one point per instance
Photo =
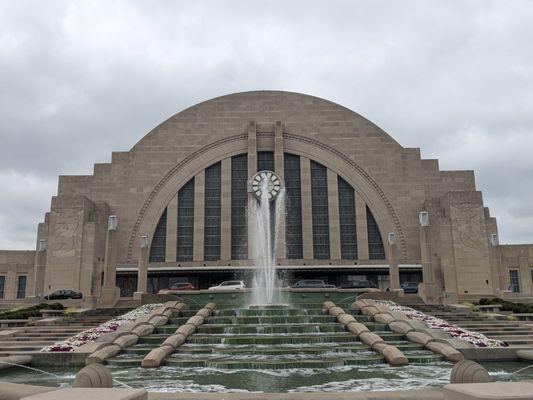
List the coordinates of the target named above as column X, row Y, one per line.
column 424, row 218
column 42, row 245
column 112, row 223
column 144, row 242
column 392, row 238
column 494, row 239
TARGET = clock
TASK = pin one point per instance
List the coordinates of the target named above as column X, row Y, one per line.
column 273, row 184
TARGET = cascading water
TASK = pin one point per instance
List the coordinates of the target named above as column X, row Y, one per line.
column 265, row 278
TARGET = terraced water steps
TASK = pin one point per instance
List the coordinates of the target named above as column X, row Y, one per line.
column 283, row 339
column 274, row 319
column 251, row 312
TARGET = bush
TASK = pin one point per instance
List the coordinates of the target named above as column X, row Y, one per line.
column 517, row 308
column 27, row 312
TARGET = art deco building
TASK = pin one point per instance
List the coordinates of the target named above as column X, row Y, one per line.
column 356, row 205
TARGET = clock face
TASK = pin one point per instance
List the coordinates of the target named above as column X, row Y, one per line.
column 273, row 184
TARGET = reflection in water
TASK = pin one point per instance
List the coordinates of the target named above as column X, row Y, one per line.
column 342, row 379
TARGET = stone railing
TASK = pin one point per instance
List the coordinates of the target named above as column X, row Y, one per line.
column 111, row 344
column 415, row 331
column 391, row 353
column 158, row 355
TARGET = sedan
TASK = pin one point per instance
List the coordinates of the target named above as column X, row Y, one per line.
column 363, row 284
column 410, row 287
column 229, row 285
column 63, row 294
column 311, row 284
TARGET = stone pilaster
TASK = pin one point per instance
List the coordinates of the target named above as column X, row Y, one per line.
column 307, row 208
column 333, row 216
column 225, row 210
column 279, row 166
column 361, row 228
column 252, row 169
column 199, row 216
column 172, row 230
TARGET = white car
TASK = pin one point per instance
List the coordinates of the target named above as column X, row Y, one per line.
column 229, row 285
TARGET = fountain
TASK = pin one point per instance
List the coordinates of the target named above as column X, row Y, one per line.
column 266, row 188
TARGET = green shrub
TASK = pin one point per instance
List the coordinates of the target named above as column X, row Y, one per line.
column 27, row 312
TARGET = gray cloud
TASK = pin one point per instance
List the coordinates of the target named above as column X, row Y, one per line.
column 82, row 79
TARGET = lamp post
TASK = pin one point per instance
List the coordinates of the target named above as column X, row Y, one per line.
column 142, row 271
column 394, row 273
column 110, row 292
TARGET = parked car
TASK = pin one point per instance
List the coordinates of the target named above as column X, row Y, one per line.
column 63, row 294
column 229, row 285
column 312, row 284
column 362, row 284
column 410, row 287
column 178, row 287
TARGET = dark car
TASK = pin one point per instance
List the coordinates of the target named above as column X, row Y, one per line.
column 311, row 284
column 63, row 295
column 363, row 284
column 410, row 287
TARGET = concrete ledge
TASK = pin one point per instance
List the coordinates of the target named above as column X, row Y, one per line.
column 16, row 391
column 492, row 353
column 493, row 390
column 91, row 394
column 70, row 358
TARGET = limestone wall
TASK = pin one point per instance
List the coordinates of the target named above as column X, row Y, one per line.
column 15, row 263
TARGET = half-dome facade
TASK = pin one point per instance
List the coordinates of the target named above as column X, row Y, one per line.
column 356, row 206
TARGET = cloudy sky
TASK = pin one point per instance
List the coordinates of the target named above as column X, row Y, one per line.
column 79, row 80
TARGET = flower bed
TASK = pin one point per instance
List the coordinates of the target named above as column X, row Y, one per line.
column 91, row 334
column 475, row 338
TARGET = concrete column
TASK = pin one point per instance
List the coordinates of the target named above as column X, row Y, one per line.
column 333, row 216
column 361, row 228
column 225, row 210
column 142, row 270
column 40, row 267
column 394, row 272
column 110, row 260
column 252, row 169
column 279, row 166
column 199, row 216
column 172, row 230
column 307, row 208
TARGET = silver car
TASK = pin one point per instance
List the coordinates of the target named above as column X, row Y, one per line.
column 229, row 285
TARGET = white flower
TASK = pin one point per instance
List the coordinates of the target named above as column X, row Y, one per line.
column 475, row 338
column 92, row 334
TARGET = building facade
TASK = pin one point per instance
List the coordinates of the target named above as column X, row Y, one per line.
column 356, row 205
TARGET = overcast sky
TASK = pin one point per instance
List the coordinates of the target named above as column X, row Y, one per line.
column 81, row 79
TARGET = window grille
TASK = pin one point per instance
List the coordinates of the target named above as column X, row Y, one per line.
column 514, row 284
column 185, row 239
column 376, row 250
column 212, row 213
column 293, row 206
column 265, row 160
column 319, row 201
column 239, row 207
column 348, row 231
column 159, row 241
column 21, row 287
